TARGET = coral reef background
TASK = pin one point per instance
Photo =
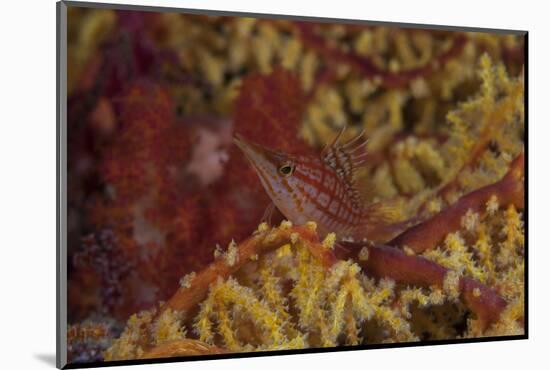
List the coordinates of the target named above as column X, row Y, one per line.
column 160, row 200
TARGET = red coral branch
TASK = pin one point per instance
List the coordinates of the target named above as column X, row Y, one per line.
column 389, row 262
column 368, row 68
column 509, row 190
column 383, row 261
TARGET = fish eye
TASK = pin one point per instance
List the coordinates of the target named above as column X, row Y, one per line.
column 286, row 169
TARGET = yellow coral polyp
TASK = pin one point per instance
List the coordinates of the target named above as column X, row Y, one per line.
column 456, row 256
column 186, row 281
column 312, row 226
column 328, row 242
column 451, row 284
column 128, row 345
column 232, row 254
column 285, row 225
column 492, row 205
column 168, row 327
column 470, row 220
column 363, row 254
column 263, row 227
column 284, row 251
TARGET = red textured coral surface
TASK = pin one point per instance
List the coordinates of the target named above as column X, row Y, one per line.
column 165, row 220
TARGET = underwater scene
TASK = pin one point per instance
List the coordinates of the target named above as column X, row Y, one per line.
column 243, row 184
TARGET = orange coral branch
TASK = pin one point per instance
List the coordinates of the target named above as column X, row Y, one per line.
column 80, row 332
column 183, row 347
column 384, row 261
column 368, row 68
column 509, row 190
column 187, row 297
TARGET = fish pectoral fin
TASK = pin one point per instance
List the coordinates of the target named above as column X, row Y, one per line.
column 268, row 214
column 273, row 215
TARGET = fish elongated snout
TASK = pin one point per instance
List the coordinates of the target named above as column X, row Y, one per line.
column 254, row 151
column 249, row 149
column 264, row 160
column 240, row 141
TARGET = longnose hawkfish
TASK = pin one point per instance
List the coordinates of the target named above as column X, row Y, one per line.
column 320, row 188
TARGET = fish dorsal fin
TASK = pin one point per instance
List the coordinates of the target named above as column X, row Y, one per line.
column 345, row 158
